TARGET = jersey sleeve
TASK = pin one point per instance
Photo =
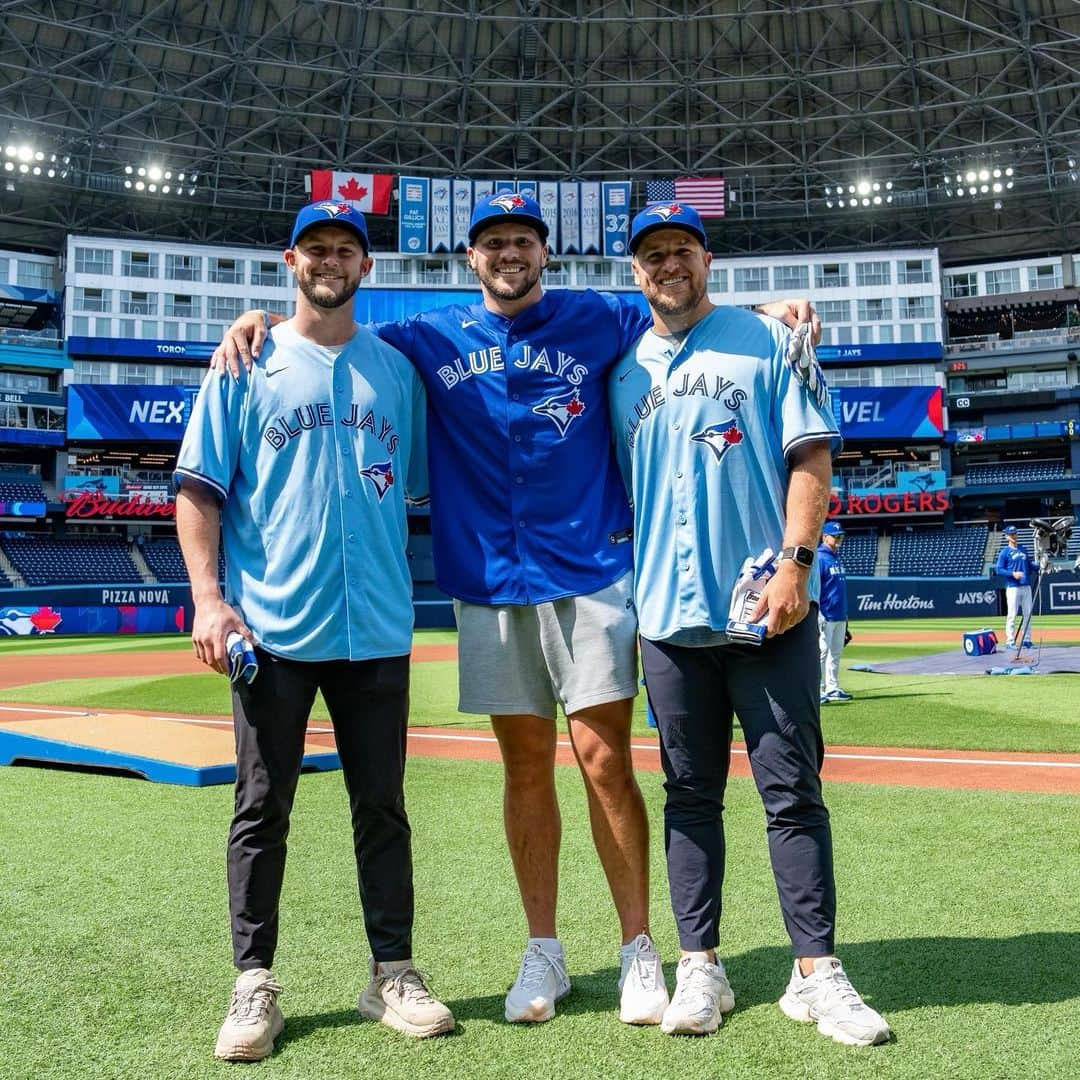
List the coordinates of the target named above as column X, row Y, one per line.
column 797, row 416
column 416, row 475
column 211, row 447
column 398, row 334
column 633, row 316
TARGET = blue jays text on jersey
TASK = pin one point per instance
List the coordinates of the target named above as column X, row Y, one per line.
column 703, row 433
column 527, row 501
column 310, row 452
column 833, row 600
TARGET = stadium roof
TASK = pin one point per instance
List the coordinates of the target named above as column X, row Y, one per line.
column 781, row 99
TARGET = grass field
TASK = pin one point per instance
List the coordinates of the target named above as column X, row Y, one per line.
column 957, row 912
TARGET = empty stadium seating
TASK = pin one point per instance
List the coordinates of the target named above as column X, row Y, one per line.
column 859, row 553
column 167, row 563
column 938, row 552
column 21, row 491
column 1015, row 472
column 46, row 561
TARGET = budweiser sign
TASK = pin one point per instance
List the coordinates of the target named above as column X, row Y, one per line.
column 93, row 504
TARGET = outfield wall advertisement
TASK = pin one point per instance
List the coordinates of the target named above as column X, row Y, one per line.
column 905, row 598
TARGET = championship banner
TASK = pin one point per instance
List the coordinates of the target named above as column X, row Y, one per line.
column 570, row 218
column 462, row 194
column 590, row 218
column 506, row 185
column 888, row 412
column 549, row 211
column 367, row 192
column 616, row 217
column 414, row 208
column 145, row 413
column 440, row 216
column 481, row 189
column 528, row 188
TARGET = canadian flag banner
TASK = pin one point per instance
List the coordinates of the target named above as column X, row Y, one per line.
column 368, row 192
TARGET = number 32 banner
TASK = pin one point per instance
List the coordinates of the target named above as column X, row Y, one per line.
column 616, row 218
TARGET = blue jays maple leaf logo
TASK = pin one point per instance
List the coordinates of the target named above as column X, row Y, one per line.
column 665, row 212
column 508, row 202
column 720, row 438
column 334, row 210
column 381, row 476
column 562, row 409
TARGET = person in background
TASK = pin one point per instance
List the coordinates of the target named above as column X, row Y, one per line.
column 1016, row 567
column 832, row 611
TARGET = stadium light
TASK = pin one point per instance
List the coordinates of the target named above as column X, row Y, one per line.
column 862, row 191
column 27, row 160
column 978, row 178
column 155, row 179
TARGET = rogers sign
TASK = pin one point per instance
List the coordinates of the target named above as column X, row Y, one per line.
column 909, row 502
column 92, row 504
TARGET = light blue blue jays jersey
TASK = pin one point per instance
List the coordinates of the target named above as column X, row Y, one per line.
column 310, row 453
column 527, row 503
column 703, row 430
column 833, row 599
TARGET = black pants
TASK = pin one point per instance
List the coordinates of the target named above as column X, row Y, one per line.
column 368, row 703
column 774, row 690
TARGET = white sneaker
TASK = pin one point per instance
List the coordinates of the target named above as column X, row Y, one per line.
column 643, row 994
column 254, row 1020
column 398, row 996
column 541, row 984
column 702, row 995
column 827, row 996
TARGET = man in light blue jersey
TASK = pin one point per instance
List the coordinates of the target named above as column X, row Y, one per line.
column 532, row 538
column 726, row 445
column 302, row 463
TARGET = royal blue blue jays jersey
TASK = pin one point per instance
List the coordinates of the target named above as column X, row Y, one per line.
column 1012, row 559
column 310, row 453
column 527, row 502
column 833, row 598
column 703, row 430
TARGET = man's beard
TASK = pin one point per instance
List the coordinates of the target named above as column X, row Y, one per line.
column 329, row 303
column 506, row 290
column 670, row 305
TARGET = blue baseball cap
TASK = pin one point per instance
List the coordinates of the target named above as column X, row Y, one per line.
column 666, row 215
column 340, row 214
column 1009, row 530
column 832, row 528
column 506, row 206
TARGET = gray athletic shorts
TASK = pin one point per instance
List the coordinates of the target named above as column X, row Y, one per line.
column 531, row 658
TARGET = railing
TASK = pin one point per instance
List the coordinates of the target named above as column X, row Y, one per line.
column 1023, row 339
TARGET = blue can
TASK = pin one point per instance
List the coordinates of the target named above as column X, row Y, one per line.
column 243, row 663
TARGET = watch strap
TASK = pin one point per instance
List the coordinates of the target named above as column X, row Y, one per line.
column 800, row 554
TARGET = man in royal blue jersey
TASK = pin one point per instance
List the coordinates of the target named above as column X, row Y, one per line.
column 726, row 446
column 532, row 538
column 832, row 612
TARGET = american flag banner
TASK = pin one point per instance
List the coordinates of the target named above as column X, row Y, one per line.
column 705, row 195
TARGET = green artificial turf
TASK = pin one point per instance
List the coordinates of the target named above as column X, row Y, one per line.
column 943, row 711
column 957, row 921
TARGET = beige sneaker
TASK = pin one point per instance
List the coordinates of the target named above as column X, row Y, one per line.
column 254, row 1020
column 398, row 997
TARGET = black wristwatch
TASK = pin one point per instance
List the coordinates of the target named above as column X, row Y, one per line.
column 804, row 556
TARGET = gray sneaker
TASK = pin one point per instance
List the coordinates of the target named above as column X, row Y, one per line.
column 702, row 996
column 254, row 1020
column 398, row 996
column 827, row 997
column 540, row 985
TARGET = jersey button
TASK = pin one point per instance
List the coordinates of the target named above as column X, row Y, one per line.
column 345, row 453
column 521, row 524
column 352, row 537
column 519, row 479
column 517, row 438
column 515, row 397
column 678, row 475
column 675, row 427
column 682, row 520
column 686, row 566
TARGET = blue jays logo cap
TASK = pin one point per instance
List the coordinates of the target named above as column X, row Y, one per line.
column 330, row 213
column 506, row 206
column 1009, row 530
column 666, row 215
column 832, row 528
